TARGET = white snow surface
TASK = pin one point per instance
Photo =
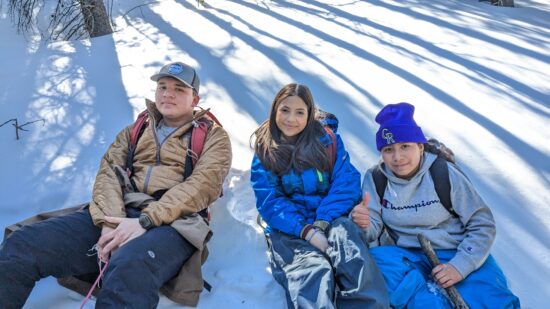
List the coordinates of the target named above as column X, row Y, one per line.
column 477, row 74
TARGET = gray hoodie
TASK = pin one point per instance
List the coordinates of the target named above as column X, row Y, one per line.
column 413, row 207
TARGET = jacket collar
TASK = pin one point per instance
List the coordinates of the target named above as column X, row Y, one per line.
column 156, row 116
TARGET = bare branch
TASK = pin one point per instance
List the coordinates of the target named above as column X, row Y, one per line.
column 1, row 125
column 29, row 122
column 20, row 127
column 21, row 13
column 136, row 7
column 71, row 19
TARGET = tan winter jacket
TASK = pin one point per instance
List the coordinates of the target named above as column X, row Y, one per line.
column 160, row 167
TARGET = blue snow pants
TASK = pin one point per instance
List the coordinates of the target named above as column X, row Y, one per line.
column 345, row 277
column 60, row 246
column 407, row 273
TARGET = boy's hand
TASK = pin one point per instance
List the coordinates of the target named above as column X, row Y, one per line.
column 111, row 239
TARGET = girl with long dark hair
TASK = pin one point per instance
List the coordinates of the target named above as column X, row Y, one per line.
column 305, row 186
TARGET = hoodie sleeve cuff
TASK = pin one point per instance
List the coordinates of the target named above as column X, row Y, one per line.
column 463, row 266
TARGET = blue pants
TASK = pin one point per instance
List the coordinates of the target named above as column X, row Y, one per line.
column 407, row 273
column 346, row 277
column 58, row 247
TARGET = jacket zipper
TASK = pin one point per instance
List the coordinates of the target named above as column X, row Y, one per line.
column 159, row 146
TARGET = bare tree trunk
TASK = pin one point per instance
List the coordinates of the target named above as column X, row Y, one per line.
column 508, row 3
column 95, row 17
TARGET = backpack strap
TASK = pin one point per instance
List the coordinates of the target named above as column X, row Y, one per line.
column 331, row 150
column 327, row 120
column 380, row 182
column 137, row 130
column 196, row 145
column 440, row 175
column 198, row 136
column 189, row 165
column 330, row 124
column 212, row 117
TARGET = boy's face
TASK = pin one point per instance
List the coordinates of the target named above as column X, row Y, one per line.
column 175, row 101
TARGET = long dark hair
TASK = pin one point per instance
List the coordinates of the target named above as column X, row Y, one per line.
column 279, row 155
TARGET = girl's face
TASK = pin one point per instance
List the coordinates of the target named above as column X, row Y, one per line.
column 403, row 159
column 291, row 117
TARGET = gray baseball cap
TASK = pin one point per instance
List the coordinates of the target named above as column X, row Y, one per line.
column 180, row 71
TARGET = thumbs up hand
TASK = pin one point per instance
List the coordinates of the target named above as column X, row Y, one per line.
column 360, row 213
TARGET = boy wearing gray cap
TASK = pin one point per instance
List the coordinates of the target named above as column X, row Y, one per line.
column 144, row 219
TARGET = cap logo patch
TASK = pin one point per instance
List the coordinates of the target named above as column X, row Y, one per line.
column 388, row 136
column 175, row 69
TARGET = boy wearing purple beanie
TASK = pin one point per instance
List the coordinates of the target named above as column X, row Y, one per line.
column 410, row 205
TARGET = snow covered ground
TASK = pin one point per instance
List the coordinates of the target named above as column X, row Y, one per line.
column 477, row 74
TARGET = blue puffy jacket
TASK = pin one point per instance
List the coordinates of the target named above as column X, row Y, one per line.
column 289, row 202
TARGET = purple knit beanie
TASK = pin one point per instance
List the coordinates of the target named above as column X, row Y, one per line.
column 397, row 125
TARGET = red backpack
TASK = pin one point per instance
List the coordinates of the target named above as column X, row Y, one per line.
column 196, row 144
column 331, row 149
column 330, row 124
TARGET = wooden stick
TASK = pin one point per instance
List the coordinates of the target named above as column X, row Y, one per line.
column 434, row 260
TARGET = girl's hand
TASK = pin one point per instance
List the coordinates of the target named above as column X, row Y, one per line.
column 317, row 239
column 446, row 275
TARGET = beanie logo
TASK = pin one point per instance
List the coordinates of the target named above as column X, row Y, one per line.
column 388, row 136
